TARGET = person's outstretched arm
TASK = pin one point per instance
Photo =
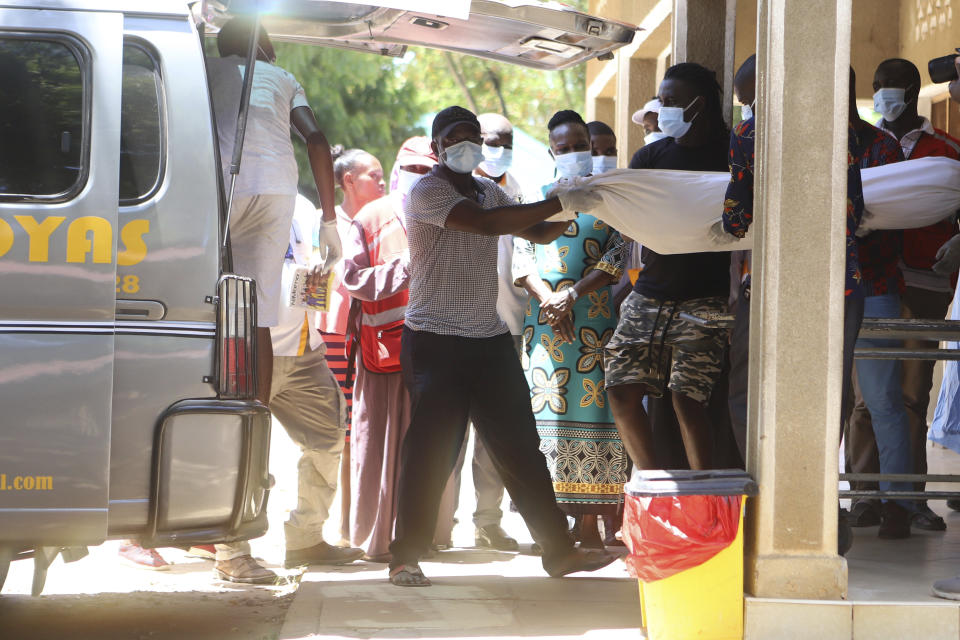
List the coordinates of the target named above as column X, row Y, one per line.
column 321, row 164
column 517, row 219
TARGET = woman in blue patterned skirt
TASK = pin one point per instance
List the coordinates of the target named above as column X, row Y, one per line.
column 569, row 319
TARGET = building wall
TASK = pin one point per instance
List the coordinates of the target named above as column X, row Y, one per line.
column 917, row 30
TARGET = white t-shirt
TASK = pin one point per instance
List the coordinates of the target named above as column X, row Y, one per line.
column 511, row 300
column 268, row 165
column 295, row 329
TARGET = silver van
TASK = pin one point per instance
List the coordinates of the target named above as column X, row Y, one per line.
column 126, row 346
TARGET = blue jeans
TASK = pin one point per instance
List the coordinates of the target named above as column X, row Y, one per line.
column 880, row 386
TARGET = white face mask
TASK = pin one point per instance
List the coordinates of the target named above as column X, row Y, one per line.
column 462, row 157
column 653, row 136
column 889, row 103
column 406, row 180
column 496, row 160
column 672, row 123
column 573, row 164
column 746, row 112
column 603, row 163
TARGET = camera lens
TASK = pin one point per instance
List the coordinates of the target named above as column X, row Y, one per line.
column 943, row 69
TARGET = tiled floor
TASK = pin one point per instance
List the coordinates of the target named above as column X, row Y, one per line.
column 903, row 570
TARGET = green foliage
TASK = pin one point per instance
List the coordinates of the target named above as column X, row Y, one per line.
column 527, row 97
column 374, row 103
column 360, row 100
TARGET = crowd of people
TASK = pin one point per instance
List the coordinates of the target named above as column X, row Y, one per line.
column 466, row 302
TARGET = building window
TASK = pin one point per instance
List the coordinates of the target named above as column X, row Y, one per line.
column 141, row 126
column 43, row 116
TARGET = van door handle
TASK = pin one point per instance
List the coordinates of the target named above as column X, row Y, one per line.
column 140, row 310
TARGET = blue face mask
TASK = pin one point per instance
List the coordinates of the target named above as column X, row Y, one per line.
column 496, row 160
column 603, row 163
column 462, row 157
column 573, row 164
column 746, row 112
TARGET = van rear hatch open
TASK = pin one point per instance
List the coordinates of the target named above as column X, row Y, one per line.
column 541, row 35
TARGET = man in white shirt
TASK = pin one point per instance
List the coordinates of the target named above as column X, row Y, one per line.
column 266, row 187
column 264, row 199
column 307, row 400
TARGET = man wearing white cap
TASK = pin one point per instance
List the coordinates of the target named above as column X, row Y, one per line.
column 647, row 117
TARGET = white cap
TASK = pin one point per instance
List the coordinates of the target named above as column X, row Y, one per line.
column 653, row 105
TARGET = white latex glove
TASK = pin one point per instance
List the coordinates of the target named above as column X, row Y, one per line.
column 329, row 245
column 948, row 257
column 719, row 237
column 581, row 199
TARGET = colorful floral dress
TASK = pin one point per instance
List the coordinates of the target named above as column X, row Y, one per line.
column 586, row 458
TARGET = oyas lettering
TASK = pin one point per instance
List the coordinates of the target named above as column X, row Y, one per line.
column 89, row 239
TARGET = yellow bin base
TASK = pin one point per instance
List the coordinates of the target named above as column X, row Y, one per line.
column 705, row 602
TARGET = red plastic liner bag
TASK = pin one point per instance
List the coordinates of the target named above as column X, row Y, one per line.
column 668, row 534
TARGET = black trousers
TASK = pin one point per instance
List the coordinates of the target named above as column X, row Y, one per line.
column 452, row 381
column 740, row 360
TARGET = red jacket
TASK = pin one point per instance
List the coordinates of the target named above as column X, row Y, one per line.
column 920, row 245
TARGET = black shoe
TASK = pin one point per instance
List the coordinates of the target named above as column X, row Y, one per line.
column 954, row 504
column 322, row 553
column 492, row 536
column 895, row 522
column 927, row 520
column 864, row 513
column 844, row 533
column 577, row 560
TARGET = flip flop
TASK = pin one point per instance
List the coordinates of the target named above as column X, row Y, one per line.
column 408, row 575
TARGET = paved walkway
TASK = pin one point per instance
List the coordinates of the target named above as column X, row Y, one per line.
column 476, row 594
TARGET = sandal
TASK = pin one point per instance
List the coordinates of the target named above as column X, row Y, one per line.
column 408, row 575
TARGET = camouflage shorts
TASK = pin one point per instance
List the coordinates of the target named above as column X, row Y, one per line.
column 652, row 345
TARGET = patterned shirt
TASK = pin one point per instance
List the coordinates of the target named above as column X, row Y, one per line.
column 738, row 203
column 453, row 274
column 880, row 251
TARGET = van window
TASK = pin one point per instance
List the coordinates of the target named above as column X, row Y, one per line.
column 41, row 118
column 141, row 133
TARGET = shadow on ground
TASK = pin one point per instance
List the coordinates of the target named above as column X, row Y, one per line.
column 248, row 613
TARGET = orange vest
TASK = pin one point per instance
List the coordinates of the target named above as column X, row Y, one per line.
column 381, row 322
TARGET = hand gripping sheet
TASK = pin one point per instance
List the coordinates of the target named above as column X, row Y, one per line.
column 667, row 535
column 672, row 211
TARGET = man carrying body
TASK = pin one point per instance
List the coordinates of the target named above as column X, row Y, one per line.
column 459, row 360
column 653, row 347
column 928, row 291
column 497, row 148
column 264, row 200
column 884, row 445
column 736, row 221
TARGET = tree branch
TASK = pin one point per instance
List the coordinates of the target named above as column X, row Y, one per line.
column 458, row 76
column 495, row 81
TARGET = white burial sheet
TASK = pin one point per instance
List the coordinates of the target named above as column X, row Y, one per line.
column 672, row 211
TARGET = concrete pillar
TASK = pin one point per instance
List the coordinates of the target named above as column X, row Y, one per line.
column 703, row 32
column 636, row 83
column 797, row 299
